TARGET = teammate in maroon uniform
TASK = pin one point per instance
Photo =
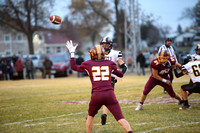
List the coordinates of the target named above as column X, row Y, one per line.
column 99, row 71
column 160, row 76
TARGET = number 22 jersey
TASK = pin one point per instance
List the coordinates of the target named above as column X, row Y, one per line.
column 99, row 72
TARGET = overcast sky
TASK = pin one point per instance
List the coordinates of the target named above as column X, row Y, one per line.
column 168, row 11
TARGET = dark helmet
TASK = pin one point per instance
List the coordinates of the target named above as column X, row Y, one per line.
column 197, row 48
column 168, row 39
column 97, row 53
column 163, row 56
column 106, row 40
column 188, row 58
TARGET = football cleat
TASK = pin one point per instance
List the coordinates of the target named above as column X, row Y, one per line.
column 103, row 119
column 180, row 102
column 139, row 107
column 185, row 107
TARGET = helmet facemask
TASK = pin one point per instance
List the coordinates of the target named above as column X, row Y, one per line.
column 163, row 59
column 106, row 42
column 106, row 46
column 163, row 56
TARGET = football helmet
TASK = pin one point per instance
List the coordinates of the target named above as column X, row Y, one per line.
column 106, row 40
column 197, row 48
column 188, row 59
column 163, row 56
column 97, row 53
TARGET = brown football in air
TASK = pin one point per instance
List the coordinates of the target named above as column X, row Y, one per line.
column 55, row 19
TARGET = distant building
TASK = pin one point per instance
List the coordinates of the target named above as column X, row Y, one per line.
column 12, row 42
column 184, row 39
column 45, row 41
column 49, row 41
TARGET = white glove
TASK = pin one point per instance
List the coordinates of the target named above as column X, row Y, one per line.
column 70, row 46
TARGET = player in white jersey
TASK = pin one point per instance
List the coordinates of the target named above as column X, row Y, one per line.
column 192, row 68
column 197, row 50
column 115, row 56
column 195, row 56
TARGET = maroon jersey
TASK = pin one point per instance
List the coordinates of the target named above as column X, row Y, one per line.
column 99, row 73
column 163, row 69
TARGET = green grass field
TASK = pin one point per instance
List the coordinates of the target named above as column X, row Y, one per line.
column 60, row 106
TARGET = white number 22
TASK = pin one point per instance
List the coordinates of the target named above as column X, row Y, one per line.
column 100, row 73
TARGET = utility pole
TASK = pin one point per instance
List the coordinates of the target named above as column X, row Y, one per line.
column 130, row 33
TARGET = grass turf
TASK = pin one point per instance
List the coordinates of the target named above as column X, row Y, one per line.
column 61, row 104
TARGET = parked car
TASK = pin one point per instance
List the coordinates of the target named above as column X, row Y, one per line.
column 36, row 59
column 196, row 40
column 86, row 57
column 61, row 64
column 40, row 62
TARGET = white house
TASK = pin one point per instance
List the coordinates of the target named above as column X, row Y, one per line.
column 12, row 42
column 184, row 39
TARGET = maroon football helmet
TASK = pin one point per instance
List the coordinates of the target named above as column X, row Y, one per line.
column 163, row 56
column 97, row 53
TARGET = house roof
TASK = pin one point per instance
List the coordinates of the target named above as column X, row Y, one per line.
column 181, row 37
column 55, row 37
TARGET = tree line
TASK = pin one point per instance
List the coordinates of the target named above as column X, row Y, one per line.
column 86, row 18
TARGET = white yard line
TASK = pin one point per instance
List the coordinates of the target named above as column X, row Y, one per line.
column 160, row 128
column 25, row 121
column 41, row 123
column 145, row 123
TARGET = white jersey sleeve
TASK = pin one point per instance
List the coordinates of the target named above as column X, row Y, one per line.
column 114, row 55
column 196, row 56
column 193, row 69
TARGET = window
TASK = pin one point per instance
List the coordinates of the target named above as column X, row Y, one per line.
column 40, row 37
column 58, row 49
column 19, row 37
column 48, row 50
column 7, row 38
column 49, row 36
column 20, row 52
column 8, row 53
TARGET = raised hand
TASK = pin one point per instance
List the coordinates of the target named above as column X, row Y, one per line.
column 71, row 47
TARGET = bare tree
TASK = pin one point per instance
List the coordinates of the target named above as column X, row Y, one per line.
column 25, row 16
column 114, row 22
column 86, row 19
column 192, row 14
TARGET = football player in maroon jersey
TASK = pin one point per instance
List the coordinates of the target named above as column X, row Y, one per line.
column 99, row 71
column 160, row 76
